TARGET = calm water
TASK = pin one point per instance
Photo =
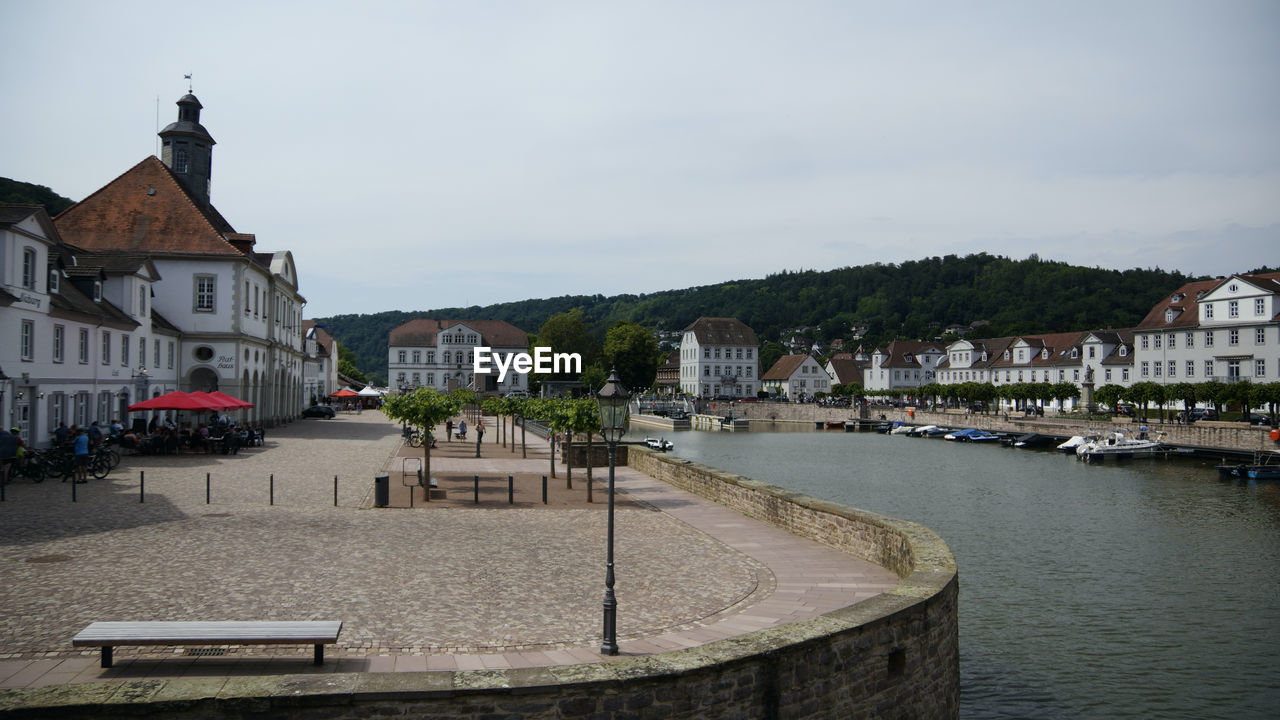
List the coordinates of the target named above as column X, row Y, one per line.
column 1144, row 589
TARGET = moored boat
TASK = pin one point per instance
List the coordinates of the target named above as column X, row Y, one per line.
column 1119, row 444
column 971, row 435
column 1069, row 446
column 659, row 444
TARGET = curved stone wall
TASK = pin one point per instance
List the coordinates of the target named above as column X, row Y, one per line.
column 894, row 655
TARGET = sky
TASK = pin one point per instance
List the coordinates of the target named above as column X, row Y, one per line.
column 418, row 155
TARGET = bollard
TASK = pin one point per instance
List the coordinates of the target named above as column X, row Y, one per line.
column 206, row 488
column 73, row 489
column 272, row 498
column 544, row 489
column 511, row 491
column 477, row 486
column 381, row 490
column 142, row 486
column 335, row 491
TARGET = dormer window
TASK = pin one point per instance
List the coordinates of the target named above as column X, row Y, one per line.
column 1170, row 314
column 97, row 291
column 1075, row 353
column 1044, row 354
column 54, row 279
column 1177, row 297
column 1007, row 355
column 1124, row 351
column 29, row 269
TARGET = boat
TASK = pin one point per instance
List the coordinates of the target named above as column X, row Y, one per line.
column 1074, row 442
column 1119, row 444
column 659, row 444
column 971, row 435
column 1259, row 469
column 932, row 431
column 1026, row 441
column 902, row 429
column 835, row 424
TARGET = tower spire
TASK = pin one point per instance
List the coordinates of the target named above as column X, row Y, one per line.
column 188, row 78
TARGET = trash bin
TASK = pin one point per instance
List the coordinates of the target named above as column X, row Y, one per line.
column 381, row 490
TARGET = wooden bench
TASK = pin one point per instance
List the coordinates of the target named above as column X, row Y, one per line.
column 109, row 634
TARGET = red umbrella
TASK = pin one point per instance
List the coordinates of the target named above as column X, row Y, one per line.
column 176, row 400
column 345, row 393
column 217, row 403
column 235, row 402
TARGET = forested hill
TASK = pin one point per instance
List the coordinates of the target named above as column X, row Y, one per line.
column 25, row 193
column 913, row 300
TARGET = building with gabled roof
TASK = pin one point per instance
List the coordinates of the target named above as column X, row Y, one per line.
column 903, row 365
column 440, row 353
column 719, row 357
column 1225, row 330
column 320, row 364
column 796, row 377
column 239, row 310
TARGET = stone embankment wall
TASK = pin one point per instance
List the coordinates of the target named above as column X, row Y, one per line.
column 1231, row 436
column 895, row 655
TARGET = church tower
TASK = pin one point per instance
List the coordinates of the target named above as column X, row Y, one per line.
column 187, row 148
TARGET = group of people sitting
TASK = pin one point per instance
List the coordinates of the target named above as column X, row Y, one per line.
column 164, row 438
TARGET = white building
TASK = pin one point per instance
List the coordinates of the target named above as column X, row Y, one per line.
column 719, row 357
column 903, row 365
column 320, row 363
column 796, row 377
column 1226, row 330
column 440, row 354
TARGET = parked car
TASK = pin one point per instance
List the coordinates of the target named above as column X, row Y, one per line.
column 318, row 411
column 1257, row 419
column 1198, row 414
column 1126, row 410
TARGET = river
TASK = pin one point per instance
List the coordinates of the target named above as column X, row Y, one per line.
column 1142, row 589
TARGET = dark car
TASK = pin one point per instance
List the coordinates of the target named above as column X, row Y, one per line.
column 1256, row 419
column 1126, row 410
column 1198, row 414
column 318, row 411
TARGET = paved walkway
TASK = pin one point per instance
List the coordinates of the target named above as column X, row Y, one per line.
column 445, row 585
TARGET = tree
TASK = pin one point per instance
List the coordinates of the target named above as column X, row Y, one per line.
column 770, row 353
column 1109, row 395
column 1214, row 392
column 347, row 364
column 424, row 408
column 567, row 332
column 1184, row 391
column 1064, row 391
column 633, row 352
column 582, row 415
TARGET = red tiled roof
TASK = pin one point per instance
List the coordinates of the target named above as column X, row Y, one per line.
column 847, row 369
column 785, row 367
column 1185, row 306
column 146, row 210
column 422, row 332
column 722, row 331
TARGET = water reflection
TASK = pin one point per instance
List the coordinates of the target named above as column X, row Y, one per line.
column 1136, row 589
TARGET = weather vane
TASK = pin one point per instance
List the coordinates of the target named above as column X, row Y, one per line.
column 188, row 78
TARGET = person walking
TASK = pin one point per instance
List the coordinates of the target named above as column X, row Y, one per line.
column 462, row 429
column 448, row 430
column 479, row 437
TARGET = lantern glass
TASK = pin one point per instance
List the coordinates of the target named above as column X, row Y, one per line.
column 612, row 400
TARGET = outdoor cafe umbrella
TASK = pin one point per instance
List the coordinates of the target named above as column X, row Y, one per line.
column 345, row 393
column 238, row 403
column 175, row 400
column 217, row 401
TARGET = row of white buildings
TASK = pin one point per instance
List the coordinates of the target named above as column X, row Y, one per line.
column 1226, row 329
column 142, row 288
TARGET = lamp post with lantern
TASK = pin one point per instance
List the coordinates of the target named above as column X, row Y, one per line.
column 612, row 400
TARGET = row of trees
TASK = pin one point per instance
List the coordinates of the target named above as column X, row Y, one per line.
column 1241, row 395
column 425, row 408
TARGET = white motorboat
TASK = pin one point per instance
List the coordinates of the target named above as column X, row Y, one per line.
column 903, row 429
column 1120, row 444
column 660, row 444
column 1074, row 442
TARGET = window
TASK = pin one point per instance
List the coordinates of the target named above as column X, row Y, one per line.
column 257, row 295
column 1173, row 370
column 1142, row 369
column 431, row 379
column 28, row 339
column 142, row 301
column 1107, row 374
column 155, row 357
column 246, row 297
column 97, row 291
column 59, row 339
column 106, row 348
column 400, row 355
column 1172, row 341
column 1191, row 368
column 1144, row 345
column 1233, row 308
column 1190, row 340
column 1124, row 351
column 180, row 160
column 1093, row 352
column 1124, row 375
column 29, row 269
column 1259, row 307
column 717, row 353
column 1233, row 337
column 53, row 280
column 448, row 356
column 58, row 410
column 1075, row 375
column 431, row 356
column 1156, row 342
column 706, row 353
column 400, row 378
column 1208, row 368
column 749, row 370
column 142, row 352
column 1156, row 367
column 1259, row 368
column 84, row 346
column 1208, row 338
column 417, row 356
column 748, row 353
column 170, row 354
column 206, row 293
column 1208, row 311
column 1260, row 336
column 706, row 371
column 417, row 379
column 124, row 350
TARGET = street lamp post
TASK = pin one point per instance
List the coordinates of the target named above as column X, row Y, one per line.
column 612, row 399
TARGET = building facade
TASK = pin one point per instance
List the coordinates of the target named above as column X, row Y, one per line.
column 796, row 377
column 440, row 354
column 719, row 357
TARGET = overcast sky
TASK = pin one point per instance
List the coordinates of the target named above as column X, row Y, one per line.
column 426, row 154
